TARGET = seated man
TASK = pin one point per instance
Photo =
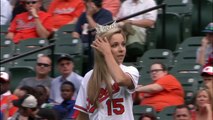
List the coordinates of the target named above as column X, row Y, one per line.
column 31, row 24
column 206, row 48
column 136, row 26
column 65, row 12
column 42, row 68
column 165, row 90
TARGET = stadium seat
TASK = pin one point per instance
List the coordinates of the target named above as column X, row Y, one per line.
column 191, row 43
column 7, row 47
column 186, row 56
column 29, row 45
column 18, row 73
column 4, row 29
column 156, row 55
column 173, row 31
column 138, row 110
column 190, row 85
column 68, row 45
column 166, row 113
column 144, row 79
column 185, row 68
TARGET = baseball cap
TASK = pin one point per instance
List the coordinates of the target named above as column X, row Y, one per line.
column 64, row 57
column 28, row 101
column 208, row 28
column 4, row 77
column 208, row 70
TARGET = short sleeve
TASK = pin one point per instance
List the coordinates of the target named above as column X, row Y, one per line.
column 168, row 83
column 134, row 74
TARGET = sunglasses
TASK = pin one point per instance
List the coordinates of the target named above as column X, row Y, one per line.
column 31, row 2
column 43, row 64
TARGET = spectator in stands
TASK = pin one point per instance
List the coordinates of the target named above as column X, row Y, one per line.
column 206, row 48
column 204, row 106
column 6, row 12
column 94, row 14
column 23, row 90
column 147, row 116
column 112, row 5
column 31, row 24
column 66, row 108
column 65, row 66
column 207, row 74
column 6, row 97
column 165, row 90
column 65, row 12
column 136, row 26
column 182, row 112
column 29, row 110
column 42, row 95
column 42, row 69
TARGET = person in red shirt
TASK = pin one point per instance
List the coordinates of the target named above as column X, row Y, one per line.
column 6, row 97
column 31, row 24
column 65, row 11
column 164, row 91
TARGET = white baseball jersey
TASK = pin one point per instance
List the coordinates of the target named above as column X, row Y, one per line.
column 119, row 108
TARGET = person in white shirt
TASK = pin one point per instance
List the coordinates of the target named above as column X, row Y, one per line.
column 106, row 91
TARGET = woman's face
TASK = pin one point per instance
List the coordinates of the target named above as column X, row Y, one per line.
column 157, row 72
column 118, row 47
column 202, row 98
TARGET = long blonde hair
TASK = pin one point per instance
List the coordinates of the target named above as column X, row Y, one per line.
column 100, row 72
column 209, row 95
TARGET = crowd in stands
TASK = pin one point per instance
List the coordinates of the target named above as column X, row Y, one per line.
column 110, row 90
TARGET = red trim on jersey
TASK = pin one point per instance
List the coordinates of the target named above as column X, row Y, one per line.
column 79, row 107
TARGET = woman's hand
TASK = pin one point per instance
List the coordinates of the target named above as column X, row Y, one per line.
column 102, row 45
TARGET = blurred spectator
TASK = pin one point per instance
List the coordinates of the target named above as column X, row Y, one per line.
column 206, row 48
column 94, row 14
column 29, row 110
column 65, row 67
column 66, row 108
column 6, row 97
column 204, row 106
column 42, row 69
column 65, row 12
column 23, row 90
column 112, row 5
column 147, row 116
column 207, row 74
column 136, row 26
column 6, row 12
column 42, row 93
column 182, row 112
column 31, row 24
column 165, row 90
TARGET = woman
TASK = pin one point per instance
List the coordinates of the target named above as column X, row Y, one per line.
column 165, row 90
column 106, row 92
column 204, row 106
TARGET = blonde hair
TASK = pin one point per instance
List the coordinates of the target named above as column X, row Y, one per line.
column 209, row 95
column 100, row 72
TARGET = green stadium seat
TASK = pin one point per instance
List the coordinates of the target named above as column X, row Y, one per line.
column 190, row 85
column 138, row 110
column 185, row 68
column 186, row 56
column 191, row 43
column 4, row 29
column 156, row 55
column 173, row 31
column 166, row 113
column 7, row 47
column 68, row 45
column 29, row 45
column 18, row 73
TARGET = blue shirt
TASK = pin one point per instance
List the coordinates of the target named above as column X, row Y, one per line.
column 56, row 83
